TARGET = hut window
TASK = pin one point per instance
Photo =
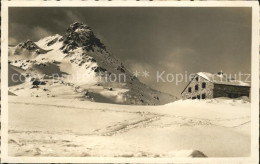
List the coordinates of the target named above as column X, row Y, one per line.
column 233, row 95
column 193, row 98
column 189, row 89
column 204, row 85
column 236, row 95
column 198, row 97
column 196, row 87
column 203, row 96
column 197, row 78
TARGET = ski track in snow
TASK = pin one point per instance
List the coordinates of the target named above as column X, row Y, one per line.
column 147, row 118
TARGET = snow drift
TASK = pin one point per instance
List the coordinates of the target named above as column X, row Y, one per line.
column 73, row 128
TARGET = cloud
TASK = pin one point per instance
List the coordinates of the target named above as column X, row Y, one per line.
column 65, row 19
column 20, row 32
column 73, row 16
column 177, row 60
column 141, row 67
column 138, row 66
column 39, row 32
column 134, row 65
column 12, row 41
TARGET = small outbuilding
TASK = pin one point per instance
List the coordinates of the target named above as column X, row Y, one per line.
column 207, row 86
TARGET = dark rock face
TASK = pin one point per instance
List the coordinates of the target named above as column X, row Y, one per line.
column 121, row 68
column 99, row 69
column 38, row 51
column 80, row 35
column 52, row 42
column 61, row 39
column 37, row 82
column 197, row 154
column 29, row 45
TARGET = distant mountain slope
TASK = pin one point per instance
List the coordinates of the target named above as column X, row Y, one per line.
column 79, row 64
column 15, row 76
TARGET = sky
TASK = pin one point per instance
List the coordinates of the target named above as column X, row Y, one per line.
column 162, row 41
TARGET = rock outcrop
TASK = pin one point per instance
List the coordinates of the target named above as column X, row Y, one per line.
column 80, row 35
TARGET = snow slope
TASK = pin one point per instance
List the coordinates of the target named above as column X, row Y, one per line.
column 70, row 127
column 80, row 59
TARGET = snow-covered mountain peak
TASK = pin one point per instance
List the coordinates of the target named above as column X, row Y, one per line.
column 79, row 63
column 25, row 50
column 80, row 35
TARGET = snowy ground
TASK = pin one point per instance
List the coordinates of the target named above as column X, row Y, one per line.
column 70, row 127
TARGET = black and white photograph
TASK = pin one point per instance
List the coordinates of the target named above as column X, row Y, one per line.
column 130, row 82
